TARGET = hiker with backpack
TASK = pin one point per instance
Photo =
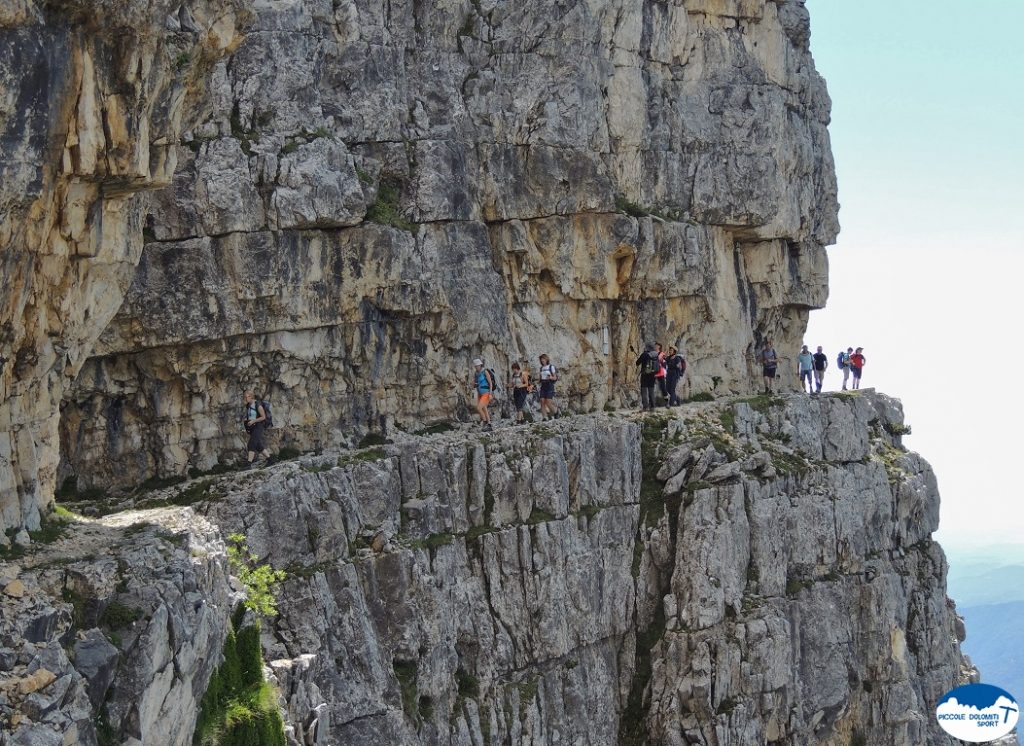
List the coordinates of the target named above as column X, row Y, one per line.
column 820, row 366
column 675, row 367
column 805, row 364
column 483, row 384
column 548, row 376
column 521, row 389
column 649, row 365
column 857, row 363
column 769, row 364
column 256, row 420
column 843, row 361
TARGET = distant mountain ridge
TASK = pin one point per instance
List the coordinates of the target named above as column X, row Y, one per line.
column 995, row 644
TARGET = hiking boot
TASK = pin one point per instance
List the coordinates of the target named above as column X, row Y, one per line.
column 254, row 464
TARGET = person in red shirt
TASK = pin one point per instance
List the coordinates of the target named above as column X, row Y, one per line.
column 857, row 362
column 662, row 371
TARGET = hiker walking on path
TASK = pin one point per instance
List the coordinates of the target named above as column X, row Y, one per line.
column 820, row 366
column 769, row 363
column 548, row 376
column 520, row 390
column 857, row 363
column 662, row 373
column 675, row 365
column 843, row 361
column 255, row 422
column 483, row 383
column 648, row 364
column 805, row 363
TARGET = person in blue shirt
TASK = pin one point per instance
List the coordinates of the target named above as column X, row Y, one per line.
column 805, row 361
column 483, row 384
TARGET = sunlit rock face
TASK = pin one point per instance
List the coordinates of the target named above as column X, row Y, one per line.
column 383, row 192
column 758, row 572
column 93, row 98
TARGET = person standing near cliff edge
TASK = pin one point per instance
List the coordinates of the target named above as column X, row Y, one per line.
column 857, row 363
column 805, row 364
column 769, row 363
column 548, row 376
column 675, row 366
column 648, row 363
column 255, row 422
column 820, row 365
column 844, row 363
column 484, row 386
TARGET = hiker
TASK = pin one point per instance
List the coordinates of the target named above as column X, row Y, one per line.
column 820, row 366
column 805, row 364
column 675, row 365
column 648, row 364
column 769, row 363
column 255, row 422
column 843, row 361
column 857, row 362
column 662, row 372
column 484, row 385
column 548, row 376
column 520, row 390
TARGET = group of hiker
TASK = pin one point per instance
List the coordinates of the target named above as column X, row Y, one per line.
column 659, row 369
column 662, row 370
column 485, row 383
column 811, row 367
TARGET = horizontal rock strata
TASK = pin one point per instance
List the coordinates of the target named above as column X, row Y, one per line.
column 385, row 192
column 758, row 572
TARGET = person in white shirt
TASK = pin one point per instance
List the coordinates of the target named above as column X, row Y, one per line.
column 548, row 376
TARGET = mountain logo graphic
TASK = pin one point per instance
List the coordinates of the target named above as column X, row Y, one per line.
column 977, row 713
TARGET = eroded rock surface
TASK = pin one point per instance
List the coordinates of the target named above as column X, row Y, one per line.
column 545, row 585
column 93, row 99
column 116, row 634
column 385, row 191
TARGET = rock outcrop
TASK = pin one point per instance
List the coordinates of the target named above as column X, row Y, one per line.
column 93, row 98
column 114, row 632
column 750, row 571
column 385, row 191
column 759, row 572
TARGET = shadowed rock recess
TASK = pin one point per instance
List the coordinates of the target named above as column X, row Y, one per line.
column 752, row 572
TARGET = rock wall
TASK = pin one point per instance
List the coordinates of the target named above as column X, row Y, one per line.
column 110, row 634
column 384, row 191
column 755, row 572
column 93, row 98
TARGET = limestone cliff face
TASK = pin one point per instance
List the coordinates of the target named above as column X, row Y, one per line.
column 93, row 98
column 385, row 191
column 758, row 572
column 747, row 572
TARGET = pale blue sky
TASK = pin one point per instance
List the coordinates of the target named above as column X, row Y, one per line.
column 928, row 135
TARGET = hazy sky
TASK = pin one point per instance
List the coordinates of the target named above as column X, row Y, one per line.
column 928, row 135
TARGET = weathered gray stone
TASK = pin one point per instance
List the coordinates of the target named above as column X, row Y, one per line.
column 96, row 659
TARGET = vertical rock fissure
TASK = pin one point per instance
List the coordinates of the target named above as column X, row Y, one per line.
column 632, row 724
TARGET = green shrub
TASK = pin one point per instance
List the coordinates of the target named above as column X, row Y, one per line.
column 239, row 708
column 386, row 211
column 260, row 581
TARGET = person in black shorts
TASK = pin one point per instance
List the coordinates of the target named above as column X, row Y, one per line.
column 820, row 365
column 254, row 421
column 548, row 376
column 648, row 364
column 520, row 390
column 769, row 364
